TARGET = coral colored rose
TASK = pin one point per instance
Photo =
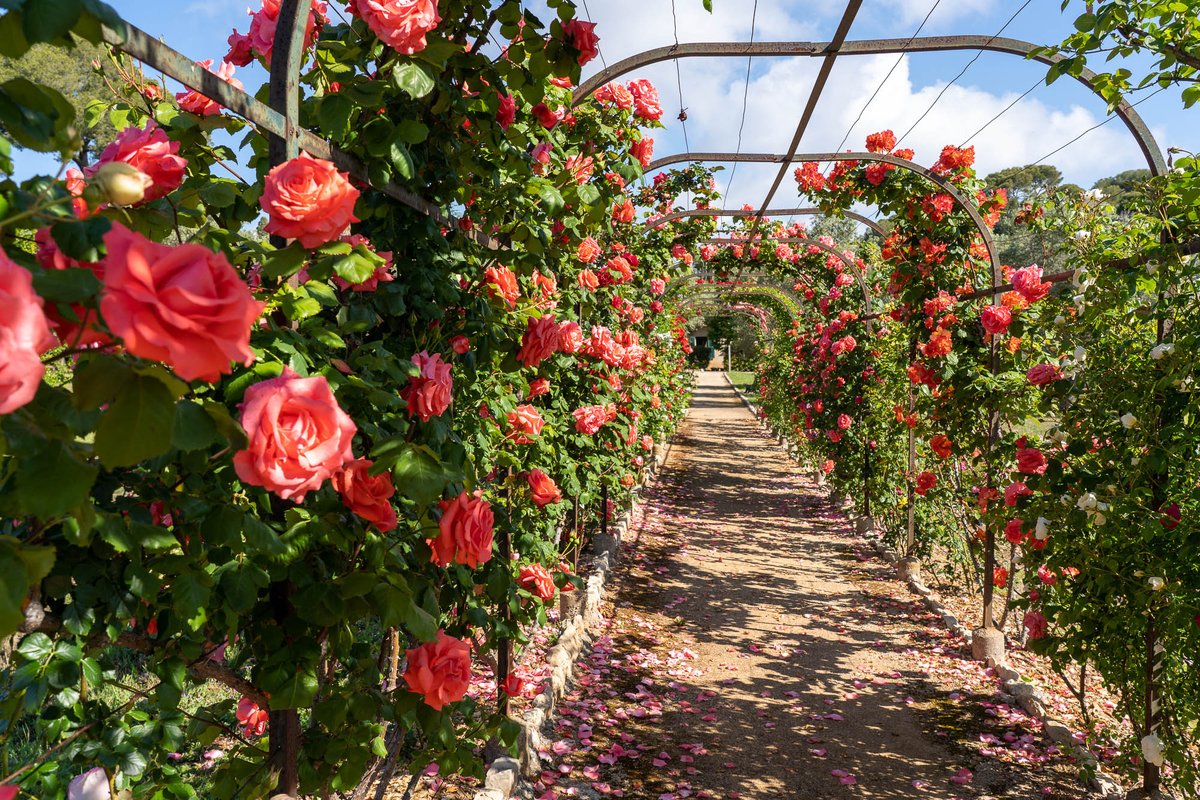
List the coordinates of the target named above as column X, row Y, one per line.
column 645, row 100
column 1013, row 532
column 307, row 199
column 460, row 344
column 925, row 482
column 1027, row 282
column 368, row 496
column 439, row 671
column 400, row 24
column 616, row 94
column 1015, row 490
column 589, row 419
column 299, row 435
column 253, row 719
column 197, row 103
column 464, row 531
column 1000, row 577
column 1043, row 374
column 570, row 337
column 535, row 579
column 996, row 319
column 882, row 142
column 182, row 305
column 81, row 326
column 91, row 785
column 643, row 151
column 623, row 212
column 428, row 395
column 542, row 488
column 506, row 112
column 149, row 151
column 502, row 284
column 588, row 250
column 539, row 342
column 538, row 387
column 589, row 280
column 580, row 168
column 1035, row 623
column 582, row 36
column 940, row 445
column 524, row 423
column 24, row 336
column 1031, row 461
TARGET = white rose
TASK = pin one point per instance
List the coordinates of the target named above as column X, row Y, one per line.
column 1156, row 584
column 1098, row 518
column 1041, row 528
column 1094, row 194
column 1080, row 354
column 1161, row 351
column 1152, row 749
column 1086, row 502
column 91, row 785
column 1129, row 421
column 1060, row 320
column 1082, row 236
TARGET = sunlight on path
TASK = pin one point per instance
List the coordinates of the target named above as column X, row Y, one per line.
column 755, row 652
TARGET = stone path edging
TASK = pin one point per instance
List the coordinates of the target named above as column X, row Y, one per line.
column 1032, row 699
column 505, row 773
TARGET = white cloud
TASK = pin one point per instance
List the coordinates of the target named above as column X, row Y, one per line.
column 908, row 12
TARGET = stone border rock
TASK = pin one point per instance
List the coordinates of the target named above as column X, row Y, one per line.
column 1027, row 695
column 504, row 775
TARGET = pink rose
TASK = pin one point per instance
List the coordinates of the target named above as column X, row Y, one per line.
column 307, row 199
column 299, row 436
column 149, row 151
column 589, row 419
column 542, row 488
column 1027, row 282
column 183, row 305
column 429, row 394
column 582, row 36
column 253, row 719
column 464, row 531
column 400, row 24
column 91, row 785
column 24, row 336
column 539, row 342
column 524, row 423
column 1036, row 624
column 439, row 671
column 506, row 113
column 570, row 337
column 657, row 286
column 645, row 100
column 1015, row 490
column 197, row 103
column 1031, row 461
column 260, row 40
column 996, row 319
column 368, row 496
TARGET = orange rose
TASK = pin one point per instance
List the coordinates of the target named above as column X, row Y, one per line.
column 465, row 531
column 429, row 394
column 368, row 496
column 524, row 423
column 502, row 283
column 539, row 342
column 534, row 579
column 542, row 488
column 307, row 199
column 439, row 671
column 182, row 305
column 299, row 436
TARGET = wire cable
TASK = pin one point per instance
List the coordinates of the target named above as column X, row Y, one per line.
column 963, row 71
column 745, row 98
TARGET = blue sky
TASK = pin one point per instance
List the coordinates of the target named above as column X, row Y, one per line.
column 713, row 89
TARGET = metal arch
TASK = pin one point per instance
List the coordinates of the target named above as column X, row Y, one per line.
column 771, row 212
column 912, row 166
column 691, row 310
column 923, row 44
column 850, row 265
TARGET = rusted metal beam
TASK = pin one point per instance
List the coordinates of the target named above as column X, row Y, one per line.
column 1155, row 160
column 771, row 212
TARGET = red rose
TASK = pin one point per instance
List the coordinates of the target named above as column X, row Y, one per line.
column 524, row 423
column 925, row 482
column 1000, row 577
column 1013, row 532
column 460, row 344
column 465, row 531
column 645, row 100
column 368, row 496
column 149, row 151
column 542, row 488
column 844, row 421
column 589, row 419
column 24, row 336
column 940, row 445
column 502, row 284
column 538, row 387
column 996, row 319
column 307, row 199
column 534, row 579
column 882, row 142
column 539, row 342
column 182, row 305
column 1014, row 491
column 1043, row 374
column 1171, row 516
column 429, row 394
column 1031, row 461
column 582, row 36
column 506, row 113
column 547, row 116
column 400, row 24
column 299, row 436
column 439, row 671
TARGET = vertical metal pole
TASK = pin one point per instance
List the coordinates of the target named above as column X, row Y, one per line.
column 911, row 539
column 504, row 644
column 284, row 96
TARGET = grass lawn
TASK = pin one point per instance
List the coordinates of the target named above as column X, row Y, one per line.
column 742, row 380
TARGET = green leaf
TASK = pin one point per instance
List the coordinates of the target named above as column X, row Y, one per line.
column 420, row 622
column 47, row 20
column 81, row 239
column 36, row 647
column 53, row 482
column 285, row 262
column 189, row 595
column 354, row 268
column 414, row 79
column 401, row 158
column 411, row 131
column 138, row 425
column 335, row 114
column 194, row 428
column 12, row 36
column 38, row 117
column 67, row 285
column 294, row 690
column 419, row 475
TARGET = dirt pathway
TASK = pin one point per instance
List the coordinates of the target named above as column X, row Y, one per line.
column 754, row 650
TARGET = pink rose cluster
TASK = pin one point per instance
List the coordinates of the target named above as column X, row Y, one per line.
column 259, row 41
